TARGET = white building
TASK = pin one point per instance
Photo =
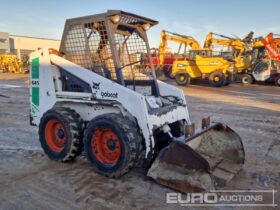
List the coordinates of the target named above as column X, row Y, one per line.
column 23, row 45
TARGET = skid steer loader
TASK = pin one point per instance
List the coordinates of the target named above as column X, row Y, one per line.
column 95, row 95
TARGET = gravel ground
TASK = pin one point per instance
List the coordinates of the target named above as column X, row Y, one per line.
column 29, row 180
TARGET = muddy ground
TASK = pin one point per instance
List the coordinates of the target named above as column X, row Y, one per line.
column 29, row 180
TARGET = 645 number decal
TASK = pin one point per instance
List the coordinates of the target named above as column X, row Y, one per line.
column 35, row 83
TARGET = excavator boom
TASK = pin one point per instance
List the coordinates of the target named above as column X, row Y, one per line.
column 170, row 36
column 236, row 44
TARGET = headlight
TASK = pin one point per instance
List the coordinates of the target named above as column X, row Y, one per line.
column 115, row 18
column 146, row 26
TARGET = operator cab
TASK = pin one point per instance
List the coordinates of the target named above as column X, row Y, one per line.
column 114, row 45
column 203, row 53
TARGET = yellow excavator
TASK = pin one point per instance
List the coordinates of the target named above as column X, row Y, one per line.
column 166, row 57
column 194, row 62
column 241, row 50
column 238, row 49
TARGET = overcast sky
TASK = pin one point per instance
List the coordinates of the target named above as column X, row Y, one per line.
column 46, row 18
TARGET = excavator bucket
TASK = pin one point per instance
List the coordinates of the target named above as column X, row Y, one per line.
column 203, row 162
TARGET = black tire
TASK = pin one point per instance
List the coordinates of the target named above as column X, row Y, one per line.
column 247, row 79
column 70, row 134
column 130, row 144
column 217, row 79
column 182, row 78
column 277, row 80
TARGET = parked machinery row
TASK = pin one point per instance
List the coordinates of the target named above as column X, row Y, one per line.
column 249, row 59
column 11, row 63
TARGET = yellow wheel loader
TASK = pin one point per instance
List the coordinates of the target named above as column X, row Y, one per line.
column 196, row 62
column 96, row 95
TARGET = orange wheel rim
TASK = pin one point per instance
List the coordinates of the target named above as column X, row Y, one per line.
column 106, row 146
column 55, row 135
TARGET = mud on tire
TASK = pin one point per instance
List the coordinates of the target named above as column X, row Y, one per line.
column 60, row 134
column 112, row 144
